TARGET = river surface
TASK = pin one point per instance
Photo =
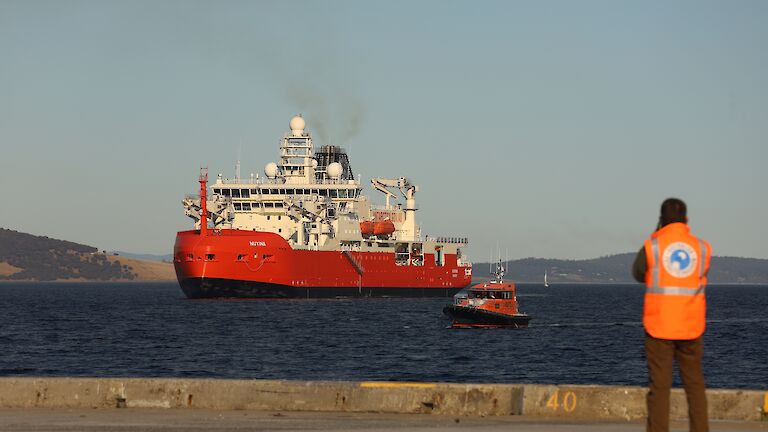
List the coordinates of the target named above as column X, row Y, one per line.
column 580, row 334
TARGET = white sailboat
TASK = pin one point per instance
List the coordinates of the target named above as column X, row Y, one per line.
column 545, row 279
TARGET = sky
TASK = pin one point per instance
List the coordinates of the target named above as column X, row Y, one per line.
column 547, row 129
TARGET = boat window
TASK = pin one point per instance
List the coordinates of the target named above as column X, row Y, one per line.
column 267, row 217
column 254, row 191
column 218, row 191
column 275, row 191
column 290, row 192
column 278, row 204
column 281, row 191
column 269, row 204
column 334, row 193
column 238, row 207
column 245, row 193
column 225, row 192
column 343, row 193
column 324, row 192
column 235, row 193
column 240, row 257
column 210, row 257
column 315, row 191
column 247, row 206
column 265, row 191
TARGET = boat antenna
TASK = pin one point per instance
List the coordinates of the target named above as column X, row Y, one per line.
column 237, row 165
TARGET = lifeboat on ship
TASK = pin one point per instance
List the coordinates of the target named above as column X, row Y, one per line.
column 366, row 228
column 487, row 305
column 382, row 228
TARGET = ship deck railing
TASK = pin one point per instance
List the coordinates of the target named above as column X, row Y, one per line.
column 448, row 240
column 280, row 181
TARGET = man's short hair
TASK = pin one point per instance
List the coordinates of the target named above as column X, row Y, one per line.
column 673, row 210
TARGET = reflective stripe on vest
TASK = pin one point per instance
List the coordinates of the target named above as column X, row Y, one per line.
column 656, row 261
column 656, row 289
column 675, row 291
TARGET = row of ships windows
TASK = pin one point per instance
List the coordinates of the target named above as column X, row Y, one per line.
column 331, row 193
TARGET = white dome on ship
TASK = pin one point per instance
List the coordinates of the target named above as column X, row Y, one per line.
column 271, row 170
column 314, row 163
column 334, row 170
column 297, row 125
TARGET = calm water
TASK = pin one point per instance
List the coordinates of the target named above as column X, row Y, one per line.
column 580, row 334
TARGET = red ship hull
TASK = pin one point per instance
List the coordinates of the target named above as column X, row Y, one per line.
column 253, row 264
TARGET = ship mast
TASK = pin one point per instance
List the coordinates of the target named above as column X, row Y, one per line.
column 203, row 201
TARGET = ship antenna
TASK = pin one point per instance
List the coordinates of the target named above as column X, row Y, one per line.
column 203, row 201
column 237, row 165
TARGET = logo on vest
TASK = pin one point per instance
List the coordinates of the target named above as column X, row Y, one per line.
column 680, row 259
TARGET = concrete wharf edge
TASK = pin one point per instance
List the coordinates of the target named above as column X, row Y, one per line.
column 584, row 402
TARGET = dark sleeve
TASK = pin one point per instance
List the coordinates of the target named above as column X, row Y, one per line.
column 640, row 266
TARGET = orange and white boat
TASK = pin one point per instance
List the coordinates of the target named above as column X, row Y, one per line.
column 487, row 305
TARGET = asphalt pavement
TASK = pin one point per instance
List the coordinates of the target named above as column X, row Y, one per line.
column 167, row 420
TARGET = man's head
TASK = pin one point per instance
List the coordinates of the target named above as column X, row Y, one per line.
column 673, row 210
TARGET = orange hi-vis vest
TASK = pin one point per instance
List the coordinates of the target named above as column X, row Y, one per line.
column 675, row 306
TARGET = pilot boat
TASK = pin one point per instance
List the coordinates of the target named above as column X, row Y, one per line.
column 487, row 305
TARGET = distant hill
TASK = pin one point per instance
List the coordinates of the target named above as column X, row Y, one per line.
column 618, row 269
column 39, row 258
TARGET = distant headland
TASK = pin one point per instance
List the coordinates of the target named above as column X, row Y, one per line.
column 26, row 257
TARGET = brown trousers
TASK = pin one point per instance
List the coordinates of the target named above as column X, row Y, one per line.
column 660, row 353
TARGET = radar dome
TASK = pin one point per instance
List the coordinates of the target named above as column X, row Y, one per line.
column 334, row 170
column 297, row 125
column 271, row 170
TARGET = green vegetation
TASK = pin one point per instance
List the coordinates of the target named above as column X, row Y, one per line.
column 44, row 259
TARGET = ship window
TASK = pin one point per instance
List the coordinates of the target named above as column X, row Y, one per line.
column 315, row 191
column 278, row 204
column 225, row 192
column 240, row 257
column 269, row 204
column 324, row 192
column 279, row 230
column 281, row 191
column 210, row 257
column 342, row 193
column 218, row 191
column 238, row 206
column 254, row 191
column 246, row 193
column 267, row 217
column 279, row 218
column 334, row 193
column 274, row 191
column 235, row 193
column 247, row 206
column 265, row 191
column 290, row 192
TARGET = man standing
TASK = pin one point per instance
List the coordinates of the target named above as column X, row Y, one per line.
column 674, row 265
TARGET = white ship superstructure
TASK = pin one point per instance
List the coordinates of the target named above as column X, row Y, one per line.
column 314, row 202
